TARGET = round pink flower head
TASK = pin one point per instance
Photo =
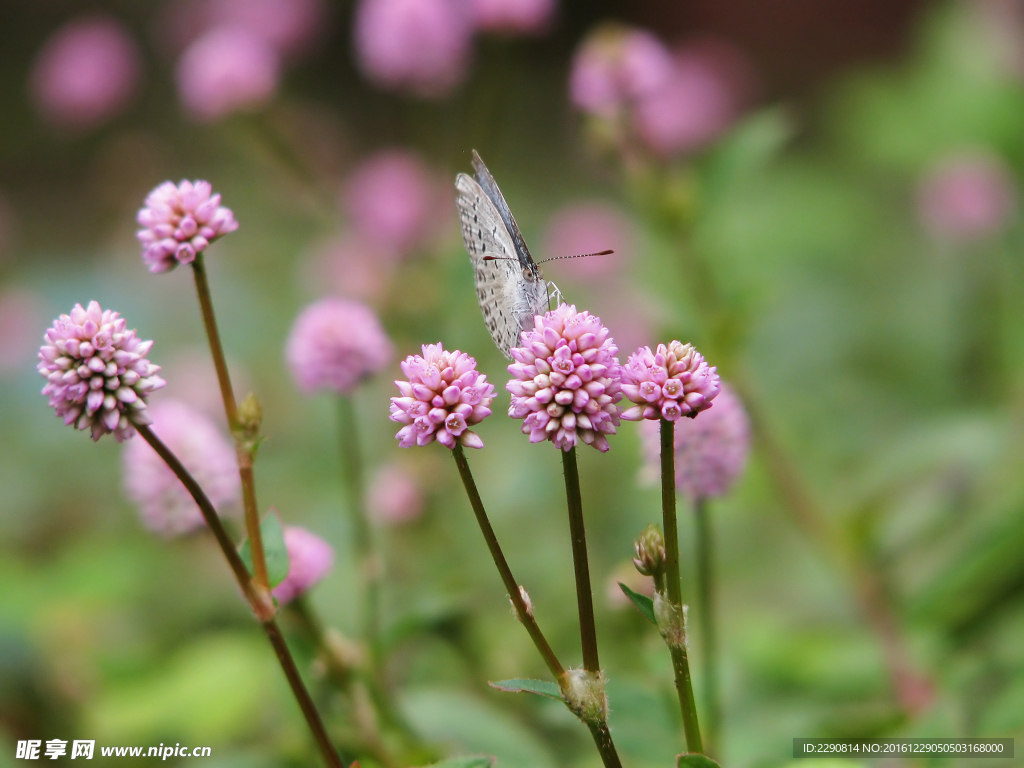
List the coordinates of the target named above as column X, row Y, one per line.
column 227, row 69
column 335, row 344
column 966, row 197
column 164, row 505
column 178, row 222
column 443, row 397
column 566, row 380
column 389, row 198
column 711, row 449
column 310, row 558
column 420, row 46
column 394, row 496
column 697, row 103
column 668, row 383
column 98, row 377
column 616, row 65
column 511, row 17
column 86, row 73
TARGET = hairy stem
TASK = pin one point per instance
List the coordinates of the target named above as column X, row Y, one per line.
column 258, row 598
column 673, row 587
column 581, row 564
column 706, row 620
column 599, row 731
column 243, row 451
column 511, row 585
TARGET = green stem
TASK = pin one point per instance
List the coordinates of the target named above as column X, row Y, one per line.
column 706, row 620
column 599, row 730
column 577, row 530
column 243, row 451
column 365, row 552
column 511, row 585
column 258, row 599
column 673, row 587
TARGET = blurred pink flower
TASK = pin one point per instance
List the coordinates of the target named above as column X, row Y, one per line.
column 86, row 72
column 668, row 383
column 349, row 266
column 443, row 396
column 179, row 221
column 227, row 69
column 565, row 380
column 164, row 505
column 420, row 46
column 335, row 344
column 513, row 16
column 966, row 197
column 310, row 558
column 98, row 377
column 589, row 228
column 616, row 65
column 394, row 495
column 390, row 198
column 698, row 103
column 711, row 449
column 20, row 312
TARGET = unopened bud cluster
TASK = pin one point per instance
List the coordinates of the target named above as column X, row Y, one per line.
column 650, row 551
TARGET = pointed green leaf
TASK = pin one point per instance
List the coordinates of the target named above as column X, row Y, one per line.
column 695, row 760
column 274, row 550
column 524, row 685
column 477, row 761
column 643, row 603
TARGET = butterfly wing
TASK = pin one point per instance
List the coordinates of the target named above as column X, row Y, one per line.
column 508, row 299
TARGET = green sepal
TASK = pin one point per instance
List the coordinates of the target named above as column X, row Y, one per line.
column 695, row 760
column 525, row 685
column 274, row 550
column 643, row 603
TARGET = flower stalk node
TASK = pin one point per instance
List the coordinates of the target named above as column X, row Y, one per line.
column 671, row 621
column 585, row 695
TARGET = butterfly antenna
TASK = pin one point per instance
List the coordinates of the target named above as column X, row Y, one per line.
column 499, row 258
column 577, row 256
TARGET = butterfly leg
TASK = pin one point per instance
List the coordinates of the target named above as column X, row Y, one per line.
column 554, row 294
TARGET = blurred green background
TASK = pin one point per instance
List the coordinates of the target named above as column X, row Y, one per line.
column 886, row 365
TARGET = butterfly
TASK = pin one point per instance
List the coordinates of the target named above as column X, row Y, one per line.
column 510, row 286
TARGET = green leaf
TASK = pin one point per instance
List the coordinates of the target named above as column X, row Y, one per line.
column 477, row 761
column 643, row 603
column 524, row 685
column 274, row 550
column 695, row 760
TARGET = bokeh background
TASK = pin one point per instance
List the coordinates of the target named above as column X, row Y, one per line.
column 825, row 201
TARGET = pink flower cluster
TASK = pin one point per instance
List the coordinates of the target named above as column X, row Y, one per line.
column 335, row 344
column 673, row 103
column 86, row 73
column 669, row 383
column 711, row 449
column 179, row 221
column 443, row 397
column 423, row 46
column 164, row 505
column 310, row 558
column 98, row 377
column 966, row 197
column 566, row 380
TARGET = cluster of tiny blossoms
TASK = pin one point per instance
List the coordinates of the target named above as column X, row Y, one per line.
column 98, row 377
column 566, row 380
column 443, row 397
column 179, row 221
column 668, row 383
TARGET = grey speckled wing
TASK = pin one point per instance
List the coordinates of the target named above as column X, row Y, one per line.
column 510, row 294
